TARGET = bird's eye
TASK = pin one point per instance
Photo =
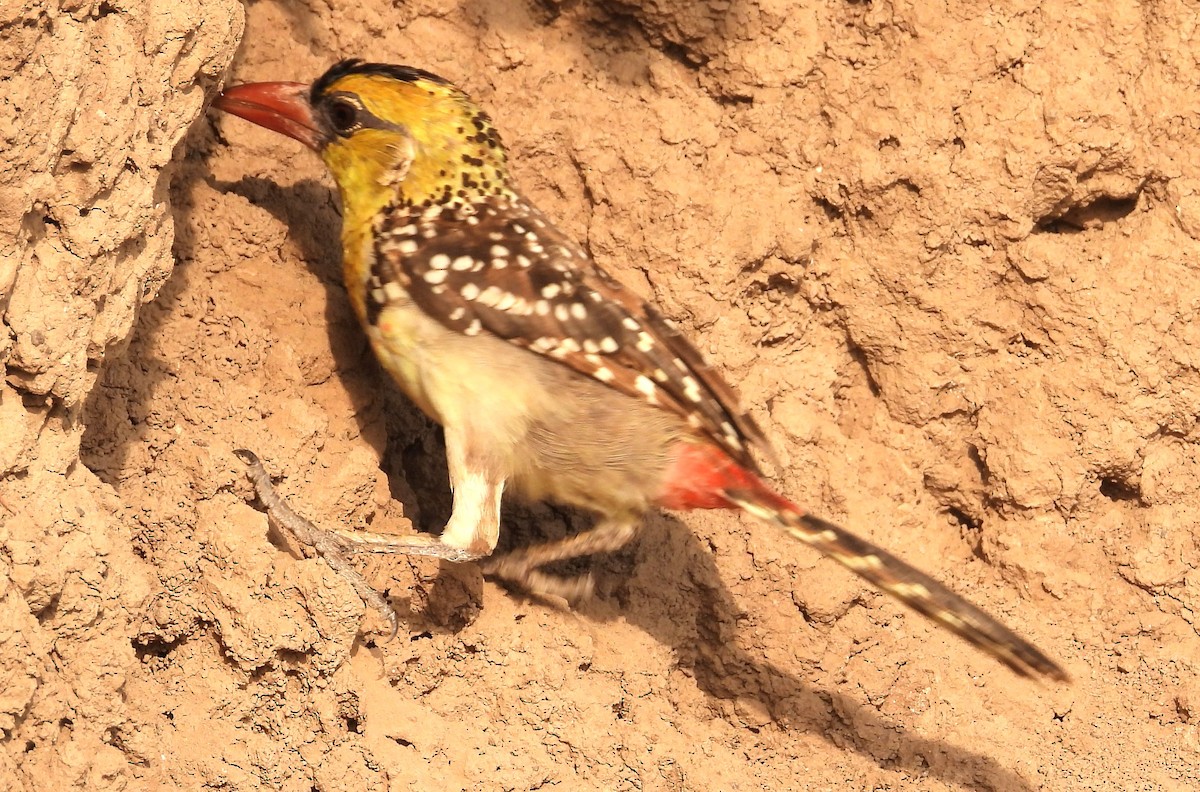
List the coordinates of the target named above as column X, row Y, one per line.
column 343, row 115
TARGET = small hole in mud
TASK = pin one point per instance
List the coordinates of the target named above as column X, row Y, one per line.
column 402, row 741
column 1087, row 216
column 30, row 745
column 112, row 736
column 293, row 658
column 50, row 610
column 832, row 212
column 153, row 646
column 1117, row 490
column 585, row 666
column 352, row 725
column 963, row 519
column 421, row 636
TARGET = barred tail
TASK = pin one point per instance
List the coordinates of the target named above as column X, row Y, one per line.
column 912, row 587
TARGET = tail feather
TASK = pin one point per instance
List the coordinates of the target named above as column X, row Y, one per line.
column 891, row 575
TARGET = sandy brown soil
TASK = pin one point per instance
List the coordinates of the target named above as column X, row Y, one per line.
column 949, row 254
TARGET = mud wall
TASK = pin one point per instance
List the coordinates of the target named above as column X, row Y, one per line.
column 948, row 253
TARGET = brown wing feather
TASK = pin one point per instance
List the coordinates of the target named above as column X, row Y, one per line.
column 501, row 267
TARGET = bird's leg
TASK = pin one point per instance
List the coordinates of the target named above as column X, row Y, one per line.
column 520, row 567
column 300, row 533
column 474, row 525
column 470, row 534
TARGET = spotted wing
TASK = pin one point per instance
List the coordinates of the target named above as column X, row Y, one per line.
column 501, row 267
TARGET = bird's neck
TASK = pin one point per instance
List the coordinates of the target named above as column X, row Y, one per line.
column 457, row 164
column 457, row 169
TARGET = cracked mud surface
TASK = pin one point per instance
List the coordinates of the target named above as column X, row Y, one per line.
column 948, row 254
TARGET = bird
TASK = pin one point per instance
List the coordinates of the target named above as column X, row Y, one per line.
column 550, row 378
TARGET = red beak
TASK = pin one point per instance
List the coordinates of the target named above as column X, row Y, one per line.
column 279, row 106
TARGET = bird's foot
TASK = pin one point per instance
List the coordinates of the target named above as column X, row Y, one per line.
column 516, row 570
column 334, row 547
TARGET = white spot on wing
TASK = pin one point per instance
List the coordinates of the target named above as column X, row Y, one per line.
column 490, row 296
column 646, row 388
column 731, row 434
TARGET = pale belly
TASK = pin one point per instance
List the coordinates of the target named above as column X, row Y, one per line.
column 555, row 434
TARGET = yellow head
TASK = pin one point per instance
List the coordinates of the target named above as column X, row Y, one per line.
column 389, row 134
